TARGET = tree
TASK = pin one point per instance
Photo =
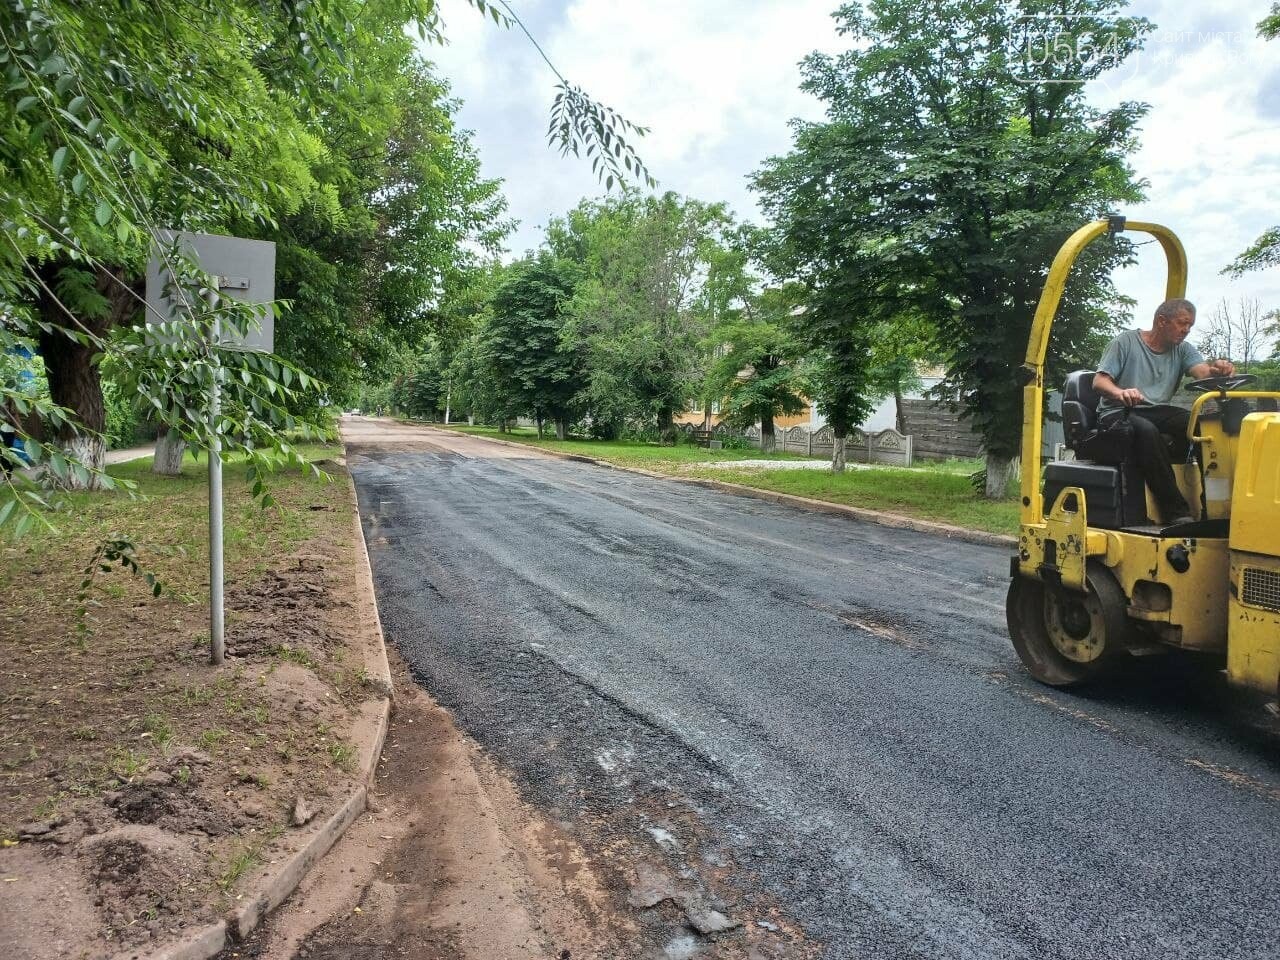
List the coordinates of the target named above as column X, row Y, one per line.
column 820, row 240
column 951, row 166
column 899, row 346
column 757, row 372
column 523, row 347
column 644, row 304
column 116, row 119
column 416, row 222
column 421, row 392
column 1237, row 335
column 108, row 132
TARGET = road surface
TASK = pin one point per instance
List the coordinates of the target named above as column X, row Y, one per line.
column 819, row 723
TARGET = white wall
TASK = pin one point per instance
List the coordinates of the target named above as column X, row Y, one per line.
column 883, row 417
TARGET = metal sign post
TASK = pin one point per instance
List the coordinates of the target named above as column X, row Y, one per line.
column 245, row 269
column 217, row 640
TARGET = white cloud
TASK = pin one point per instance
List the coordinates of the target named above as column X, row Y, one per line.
column 1212, row 159
column 718, row 83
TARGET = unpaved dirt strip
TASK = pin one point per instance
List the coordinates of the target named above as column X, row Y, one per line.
column 813, row 726
column 447, row 863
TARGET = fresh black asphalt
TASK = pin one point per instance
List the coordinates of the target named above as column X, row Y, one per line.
column 835, row 704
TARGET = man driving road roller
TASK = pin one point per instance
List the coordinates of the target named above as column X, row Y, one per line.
column 1141, row 370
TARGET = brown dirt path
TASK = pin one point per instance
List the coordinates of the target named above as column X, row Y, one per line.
column 447, row 863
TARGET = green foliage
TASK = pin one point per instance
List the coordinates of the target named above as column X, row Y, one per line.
column 647, row 300
column 1268, row 374
column 1270, row 25
column 1261, row 254
column 527, row 359
column 421, row 393
column 757, row 370
column 125, row 425
column 417, row 219
column 942, row 182
column 309, row 123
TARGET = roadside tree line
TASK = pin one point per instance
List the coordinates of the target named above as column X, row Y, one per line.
column 316, row 125
column 916, row 221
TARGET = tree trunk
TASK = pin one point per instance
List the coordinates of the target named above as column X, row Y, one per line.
column 837, row 453
column 562, row 428
column 900, row 413
column 74, row 383
column 74, row 380
column 169, row 450
column 768, row 437
column 666, row 429
column 999, row 471
column 538, row 418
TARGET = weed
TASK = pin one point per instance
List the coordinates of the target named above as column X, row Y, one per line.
column 183, row 773
column 126, row 764
column 238, row 864
column 343, row 755
column 196, row 696
column 261, row 780
column 85, row 734
column 300, row 657
column 260, row 715
column 211, row 738
column 159, row 728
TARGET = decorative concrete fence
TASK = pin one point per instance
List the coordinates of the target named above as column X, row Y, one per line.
column 887, row 446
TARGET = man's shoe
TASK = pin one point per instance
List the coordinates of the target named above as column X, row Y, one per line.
column 1181, row 519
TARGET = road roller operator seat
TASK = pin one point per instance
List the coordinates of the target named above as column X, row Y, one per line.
column 1104, row 468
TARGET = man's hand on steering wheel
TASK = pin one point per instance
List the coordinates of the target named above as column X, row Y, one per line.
column 1221, row 368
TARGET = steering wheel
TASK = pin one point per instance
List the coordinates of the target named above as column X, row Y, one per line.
column 1216, row 384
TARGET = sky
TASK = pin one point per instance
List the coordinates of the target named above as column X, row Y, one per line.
column 717, row 82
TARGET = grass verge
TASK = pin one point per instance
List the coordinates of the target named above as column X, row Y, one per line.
column 114, row 721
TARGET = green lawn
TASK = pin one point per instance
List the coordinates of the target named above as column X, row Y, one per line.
column 628, row 453
column 932, row 491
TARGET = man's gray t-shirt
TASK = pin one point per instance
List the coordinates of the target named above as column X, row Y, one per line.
column 1131, row 363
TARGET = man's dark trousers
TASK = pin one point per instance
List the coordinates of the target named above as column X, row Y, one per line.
column 1153, row 427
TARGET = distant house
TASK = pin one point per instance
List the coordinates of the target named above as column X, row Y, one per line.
column 882, row 417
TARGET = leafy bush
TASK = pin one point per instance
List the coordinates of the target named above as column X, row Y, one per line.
column 641, row 432
column 125, row 426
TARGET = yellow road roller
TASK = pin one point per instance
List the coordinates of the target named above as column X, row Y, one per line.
column 1099, row 575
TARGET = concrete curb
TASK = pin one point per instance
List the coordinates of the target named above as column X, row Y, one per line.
column 790, row 500
column 244, row 919
column 285, row 876
column 205, row 942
